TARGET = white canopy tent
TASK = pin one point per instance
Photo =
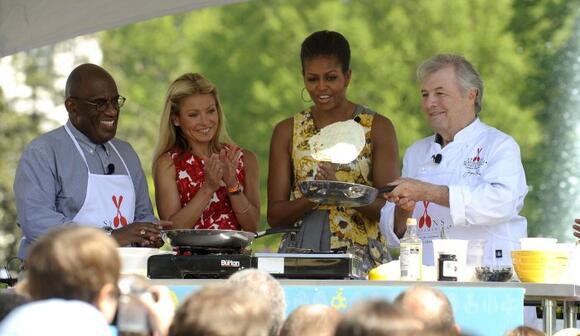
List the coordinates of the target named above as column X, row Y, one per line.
column 27, row 24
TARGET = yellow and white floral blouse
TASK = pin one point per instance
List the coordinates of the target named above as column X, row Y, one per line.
column 348, row 227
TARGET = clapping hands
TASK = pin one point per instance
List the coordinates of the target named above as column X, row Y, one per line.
column 229, row 160
column 220, row 168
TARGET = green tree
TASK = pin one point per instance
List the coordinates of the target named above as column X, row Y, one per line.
column 548, row 33
column 16, row 130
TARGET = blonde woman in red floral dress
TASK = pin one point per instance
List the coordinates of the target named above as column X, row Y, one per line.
column 202, row 180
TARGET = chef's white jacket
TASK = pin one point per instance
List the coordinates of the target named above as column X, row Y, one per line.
column 483, row 170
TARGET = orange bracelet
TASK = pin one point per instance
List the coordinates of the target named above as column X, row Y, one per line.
column 235, row 189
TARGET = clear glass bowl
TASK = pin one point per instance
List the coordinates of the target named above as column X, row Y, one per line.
column 494, row 273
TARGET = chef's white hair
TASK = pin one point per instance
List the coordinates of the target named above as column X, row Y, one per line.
column 467, row 77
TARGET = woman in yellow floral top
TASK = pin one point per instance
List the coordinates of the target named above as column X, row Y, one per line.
column 325, row 57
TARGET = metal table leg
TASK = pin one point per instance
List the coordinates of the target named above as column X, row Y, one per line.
column 549, row 322
column 570, row 309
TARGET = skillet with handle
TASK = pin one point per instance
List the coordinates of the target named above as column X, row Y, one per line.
column 341, row 193
column 208, row 238
column 201, row 238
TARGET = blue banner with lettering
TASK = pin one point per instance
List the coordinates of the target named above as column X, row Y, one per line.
column 483, row 311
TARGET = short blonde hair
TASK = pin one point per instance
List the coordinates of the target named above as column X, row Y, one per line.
column 72, row 263
column 170, row 136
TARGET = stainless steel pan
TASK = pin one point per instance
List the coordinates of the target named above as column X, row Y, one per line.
column 341, row 193
column 208, row 238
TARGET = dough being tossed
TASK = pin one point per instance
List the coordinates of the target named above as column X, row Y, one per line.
column 340, row 142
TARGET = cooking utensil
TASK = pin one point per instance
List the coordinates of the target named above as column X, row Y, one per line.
column 341, row 193
column 208, row 238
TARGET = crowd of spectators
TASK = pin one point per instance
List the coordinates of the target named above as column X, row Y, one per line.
column 55, row 298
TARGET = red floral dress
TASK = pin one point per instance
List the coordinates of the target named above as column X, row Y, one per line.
column 218, row 214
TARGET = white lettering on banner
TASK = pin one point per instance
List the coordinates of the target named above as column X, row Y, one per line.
column 230, row 263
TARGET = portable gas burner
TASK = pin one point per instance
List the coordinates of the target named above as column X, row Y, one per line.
column 310, row 266
column 198, row 262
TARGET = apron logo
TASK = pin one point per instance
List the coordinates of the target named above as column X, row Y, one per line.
column 119, row 218
column 477, row 158
column 473, row 164
column 425, row 219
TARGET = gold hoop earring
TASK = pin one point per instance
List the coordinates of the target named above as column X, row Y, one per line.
column 302, row 96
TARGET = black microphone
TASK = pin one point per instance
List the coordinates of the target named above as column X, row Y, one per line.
column 437, row 158
column 110, row 169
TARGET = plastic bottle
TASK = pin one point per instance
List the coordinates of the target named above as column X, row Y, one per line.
column 411, row 256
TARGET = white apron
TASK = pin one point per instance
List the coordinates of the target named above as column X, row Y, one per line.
column 431, row 217
column 109, row 200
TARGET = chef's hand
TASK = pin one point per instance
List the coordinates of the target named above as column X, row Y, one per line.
column 326, row 172
column 229, row 160
column 406, row 193
column 142, row 234
column 577, row 228
column 213, row 172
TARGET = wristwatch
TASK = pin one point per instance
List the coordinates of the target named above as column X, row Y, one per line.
column 235, row 189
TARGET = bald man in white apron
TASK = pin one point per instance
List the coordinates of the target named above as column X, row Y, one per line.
column 80, row 174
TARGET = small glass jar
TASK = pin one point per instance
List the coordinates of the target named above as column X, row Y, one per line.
column 448, row 267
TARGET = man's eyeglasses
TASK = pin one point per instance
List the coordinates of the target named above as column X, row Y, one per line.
column 101, row 104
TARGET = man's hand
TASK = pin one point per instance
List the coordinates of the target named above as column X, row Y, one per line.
column 142, row 234
column 409, row 191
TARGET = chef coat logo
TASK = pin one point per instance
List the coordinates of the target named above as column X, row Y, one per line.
column 119, row 219
column 474, row 163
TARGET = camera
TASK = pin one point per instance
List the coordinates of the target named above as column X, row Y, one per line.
column 132, row 315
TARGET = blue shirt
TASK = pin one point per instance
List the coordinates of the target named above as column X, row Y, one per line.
column 51, row 181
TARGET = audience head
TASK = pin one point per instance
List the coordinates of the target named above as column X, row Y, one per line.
column 326, row 44
column 93, row 102
column 256, row 281
column 56, row 317
column 431, row 307
column 222, row 310
column 9, row 301
column 563, row 332
column 186, row 87
column 75, row 263
column 311, row 320
column 377, row 318
column 528, row 331
column 467, row 77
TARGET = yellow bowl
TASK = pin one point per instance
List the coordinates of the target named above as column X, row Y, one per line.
column 539, row 266
column 540, row 254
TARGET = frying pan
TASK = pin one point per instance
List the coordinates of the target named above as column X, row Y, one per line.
column 216, row 238
column 208, row 238
column 344, row 194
